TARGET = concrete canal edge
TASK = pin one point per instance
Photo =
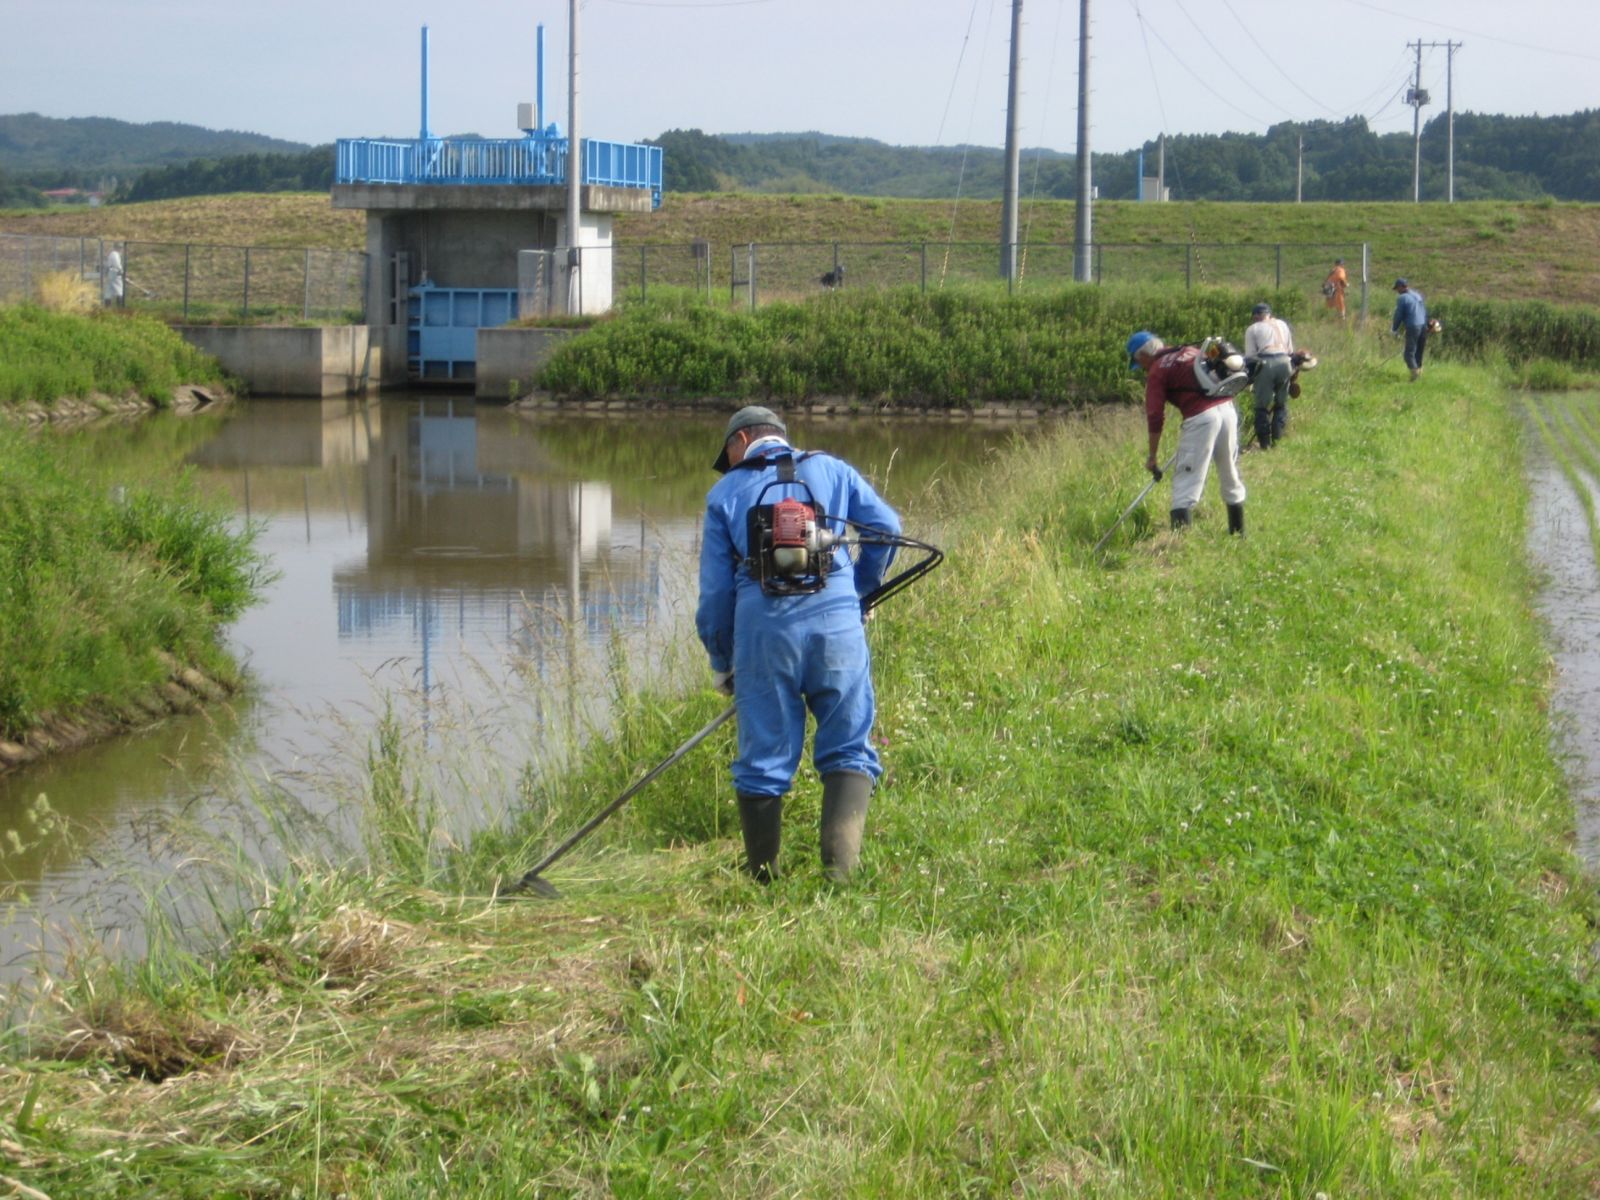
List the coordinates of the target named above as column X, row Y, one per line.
column 310, row 360
column 184, row 690
column 817, row 406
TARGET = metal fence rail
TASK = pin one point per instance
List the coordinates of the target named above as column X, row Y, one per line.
column 194, row 281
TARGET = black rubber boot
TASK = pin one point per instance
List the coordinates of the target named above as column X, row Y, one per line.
column 1236, row 518
column 844, row 818
column 1181, row 518
column 761, row 818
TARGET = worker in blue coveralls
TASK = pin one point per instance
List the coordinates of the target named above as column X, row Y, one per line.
column 778, row 655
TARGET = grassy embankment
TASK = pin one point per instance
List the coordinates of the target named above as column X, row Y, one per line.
column 97, row 582
column 1532, row 251
column 1218, row 868
column 46, row 356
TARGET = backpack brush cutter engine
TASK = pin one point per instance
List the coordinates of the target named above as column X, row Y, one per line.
column 792, row 547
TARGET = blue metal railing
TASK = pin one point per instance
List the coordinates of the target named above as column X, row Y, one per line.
column 527, row 160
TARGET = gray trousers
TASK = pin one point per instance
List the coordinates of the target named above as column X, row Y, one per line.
column 1272, row 399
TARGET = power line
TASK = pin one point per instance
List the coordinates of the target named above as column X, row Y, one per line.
column 1488, row 37
column 1273, row 59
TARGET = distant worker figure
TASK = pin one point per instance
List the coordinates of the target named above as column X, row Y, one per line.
column 1334, row 287
column 1268, row 343
column 111, row 278
column 1411, row 313
column 1201, row 386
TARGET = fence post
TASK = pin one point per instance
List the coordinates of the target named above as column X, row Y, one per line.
column 1278, row 283
column 305, row 308
column 27, row 268
column 644, row 282
column 81, row 263
column 1099, row 263
column 733, row 273
column 187, row 248
column 246, row 282
column 752, row 273
column 1188, row 267
column 923, row 247
column 127, row 257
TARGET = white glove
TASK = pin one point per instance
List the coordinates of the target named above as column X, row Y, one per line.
column 723, row 682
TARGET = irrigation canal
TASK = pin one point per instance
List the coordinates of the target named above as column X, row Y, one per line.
column 485, row 575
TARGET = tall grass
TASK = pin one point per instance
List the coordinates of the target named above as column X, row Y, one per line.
column 1522, row 331
column 95, row 579
column 45, row 356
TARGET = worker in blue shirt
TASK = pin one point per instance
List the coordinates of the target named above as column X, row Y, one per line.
column 779, row 649
column 1411, row 313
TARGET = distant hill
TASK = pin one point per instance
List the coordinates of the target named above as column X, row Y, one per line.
column 80, row 151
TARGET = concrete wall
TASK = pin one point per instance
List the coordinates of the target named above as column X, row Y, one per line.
column 508, row 357
column 274, row 360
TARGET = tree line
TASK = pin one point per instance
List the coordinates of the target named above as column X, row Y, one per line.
column 1496, row 158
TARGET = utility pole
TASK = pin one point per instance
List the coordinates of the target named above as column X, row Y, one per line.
column 1300, row 167
column 1450, row 110
column 574, row 166
column 1083, row 224
column 1416, row 97
column 1008, row 207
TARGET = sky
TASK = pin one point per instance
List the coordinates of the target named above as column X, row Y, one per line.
column 907, row 72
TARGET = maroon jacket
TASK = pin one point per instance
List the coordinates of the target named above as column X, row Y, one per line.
column 1170, row 380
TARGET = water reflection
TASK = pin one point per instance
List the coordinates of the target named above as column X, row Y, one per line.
column 427, row 546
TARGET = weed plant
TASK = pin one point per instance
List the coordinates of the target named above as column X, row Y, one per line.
column 45, row 356
column 96, row 578
column 1208, row 867
column 1530, row 333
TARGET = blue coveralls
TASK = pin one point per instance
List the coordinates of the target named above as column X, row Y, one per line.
column 788, row 653
column 1411, row 312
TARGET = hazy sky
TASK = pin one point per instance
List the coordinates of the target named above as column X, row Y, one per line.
column 909, row 72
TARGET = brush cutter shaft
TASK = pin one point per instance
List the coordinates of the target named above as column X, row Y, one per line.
column 1155, row 478
column 604, row 814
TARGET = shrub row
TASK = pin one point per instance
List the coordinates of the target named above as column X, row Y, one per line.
column 949, row 350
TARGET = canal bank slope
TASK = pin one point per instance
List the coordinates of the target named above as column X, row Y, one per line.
column 1214, row 867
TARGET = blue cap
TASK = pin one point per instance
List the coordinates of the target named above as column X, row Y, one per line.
column 1134, row 343
column 1261, row 310
column 1398, row 284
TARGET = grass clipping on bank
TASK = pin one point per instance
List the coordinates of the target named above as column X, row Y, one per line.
column 1217, row 868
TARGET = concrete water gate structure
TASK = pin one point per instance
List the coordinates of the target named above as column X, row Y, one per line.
column 484, row 217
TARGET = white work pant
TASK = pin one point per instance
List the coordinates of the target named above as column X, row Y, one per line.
column 1208, row 437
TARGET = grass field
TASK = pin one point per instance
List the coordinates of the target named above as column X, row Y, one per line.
column 1212, row 868
column 1484, row 250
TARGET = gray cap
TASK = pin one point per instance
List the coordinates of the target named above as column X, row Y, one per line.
column 1261, row 310
column 745, row 418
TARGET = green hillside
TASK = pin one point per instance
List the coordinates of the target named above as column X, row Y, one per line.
column 55, row 151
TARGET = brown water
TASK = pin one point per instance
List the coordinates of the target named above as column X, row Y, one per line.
column 479, row 570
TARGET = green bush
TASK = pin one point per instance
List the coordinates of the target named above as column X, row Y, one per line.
column 45, row 356
column 94, row 581
column 946, row 349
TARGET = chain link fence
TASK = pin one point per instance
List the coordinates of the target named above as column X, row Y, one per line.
column 207, row 283
column 191, row 281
